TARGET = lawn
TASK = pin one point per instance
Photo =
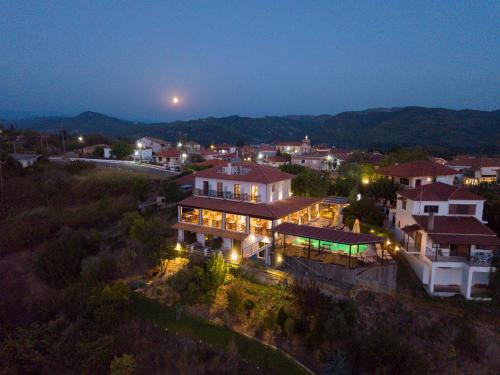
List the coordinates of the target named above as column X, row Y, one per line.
column 253, row 351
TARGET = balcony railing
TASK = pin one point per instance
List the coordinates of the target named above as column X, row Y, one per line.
column 477, row 258
column 227, row 195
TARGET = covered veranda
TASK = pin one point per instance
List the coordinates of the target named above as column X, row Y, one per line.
column 330, row 246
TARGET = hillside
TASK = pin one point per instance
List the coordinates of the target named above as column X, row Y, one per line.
column 464, row 130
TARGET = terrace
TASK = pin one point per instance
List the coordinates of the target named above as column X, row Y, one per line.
column 244, row 197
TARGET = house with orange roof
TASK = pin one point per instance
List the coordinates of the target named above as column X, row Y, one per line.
column 444, row 239
column 420, row 172
column 474, row 170
column 294, row 147
column 235, row 206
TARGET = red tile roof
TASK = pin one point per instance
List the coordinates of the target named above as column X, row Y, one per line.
column 327, row 234
column 465, row 239
column 186, row 180
column 289, row 143
column 438, row 191
column 275, row 210
column 169, row 153
column 475, row 163
column 276, row 159
column 252, row 172
column 416, row 168
column 463, row 225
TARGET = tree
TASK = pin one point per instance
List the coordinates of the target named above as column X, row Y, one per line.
column 140, row 188
column 121, row 150
column 170, row 191
column 215, row 274
column 292, row 168
column 366, row 211
column 310, row 183
column 382, row 188
column 98, row 152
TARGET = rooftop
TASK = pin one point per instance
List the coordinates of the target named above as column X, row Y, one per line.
column 438, row 191
column 169, row 153
column 417, row 168
column 449, row 225
column 327, row 234
column 275, row 210
column 289, row 143
column 249, row 172
column 472, row 162
column 157, row 140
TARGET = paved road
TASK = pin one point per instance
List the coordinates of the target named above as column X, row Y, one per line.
column 124, row 165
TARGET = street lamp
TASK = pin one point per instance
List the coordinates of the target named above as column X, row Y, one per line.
column 80, row 139
column 139, row 144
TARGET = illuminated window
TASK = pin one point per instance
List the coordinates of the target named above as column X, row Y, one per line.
column 237, row 191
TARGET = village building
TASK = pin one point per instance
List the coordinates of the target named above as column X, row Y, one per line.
column 445, row 240
column 171, row 159
column 420, row 172
column 294, row 147
column 273, row 161
column 143, row 154
column 26, row 160
column 191, row 147
column 319, row 160
column 472, row 170
column 155, row 144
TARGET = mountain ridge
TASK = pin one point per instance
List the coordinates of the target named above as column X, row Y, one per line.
column 464, row 129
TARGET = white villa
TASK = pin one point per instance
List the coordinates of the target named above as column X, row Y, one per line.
column 472, row 170
column 445, row 240
column 319, row 160
column 419, row 172
column 235, row 206
column 155, row 144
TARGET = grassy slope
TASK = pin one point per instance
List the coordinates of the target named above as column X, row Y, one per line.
column 256, row 353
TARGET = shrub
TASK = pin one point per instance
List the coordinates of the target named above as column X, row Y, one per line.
column 249, row 306
column 235, row 299
column 76, row 167
column 60, row 262
column 124, row 365
column 215, row 274
column 466, row 338
column 289, row 326
column 281, row 318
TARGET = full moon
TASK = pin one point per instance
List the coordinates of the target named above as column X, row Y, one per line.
column 175, row 100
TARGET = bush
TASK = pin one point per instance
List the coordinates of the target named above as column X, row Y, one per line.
column 215, row 274
column 60, row 262
column 235, row 299
column 124, row 365
column 76, row 167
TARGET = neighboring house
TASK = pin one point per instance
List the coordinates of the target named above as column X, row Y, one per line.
column 472, row 170
column 143, row 154
column 439, row 160
column 319, row 161
column 445, row 240
column 191, row 147
column 419, row 172
column 26, row 160
column 294, row 147
column 170, row 159
column 90, row 150
column 235, row 206
column 223, row 148
column 155, row 144
column 273, row 161
column 266, row 151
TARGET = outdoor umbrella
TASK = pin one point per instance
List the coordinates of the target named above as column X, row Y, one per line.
column 355, row 227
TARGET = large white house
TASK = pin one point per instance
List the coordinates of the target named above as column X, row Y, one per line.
column 235, row 206
column 445, row 240
column 155, row 144
column 419, row 172
column 319, row 160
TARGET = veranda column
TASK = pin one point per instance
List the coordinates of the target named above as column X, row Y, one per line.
column 200, row 216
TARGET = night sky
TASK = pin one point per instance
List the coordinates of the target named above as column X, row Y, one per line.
column 252, row 58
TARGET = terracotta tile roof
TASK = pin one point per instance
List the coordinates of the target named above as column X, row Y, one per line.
column 169, row 153
column 438, row 191
column 475, row 163
column 275, row 210
column 327, row 234
column 338, row 150
column 210, row 163
column 289, row 143
column 416, row 168
column 275, row 159
column 266, row 148
column 252, row 173
column 188, row 179
column 462, row 225
column 157, row 140
column 465, row 239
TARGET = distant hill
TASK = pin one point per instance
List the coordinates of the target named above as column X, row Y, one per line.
column 438, row 128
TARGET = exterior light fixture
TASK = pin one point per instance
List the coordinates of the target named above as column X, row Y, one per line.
column 358, row 197
column 178, row 246
column 179, row 144
column 80, row 138
column 234, row 256
column 260, row 155
column 365, row 181
column 139, row 144
column 279, row 258
column 136, row 153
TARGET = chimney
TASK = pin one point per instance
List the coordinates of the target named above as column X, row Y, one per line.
column 430, row 223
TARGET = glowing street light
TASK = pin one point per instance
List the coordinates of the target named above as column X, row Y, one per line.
column 80, row 138
column 365, row 181
column 175, row 100
column 179, row 144
column 260, row 156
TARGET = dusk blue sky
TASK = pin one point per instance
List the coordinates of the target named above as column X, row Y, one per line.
column 252, row 58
